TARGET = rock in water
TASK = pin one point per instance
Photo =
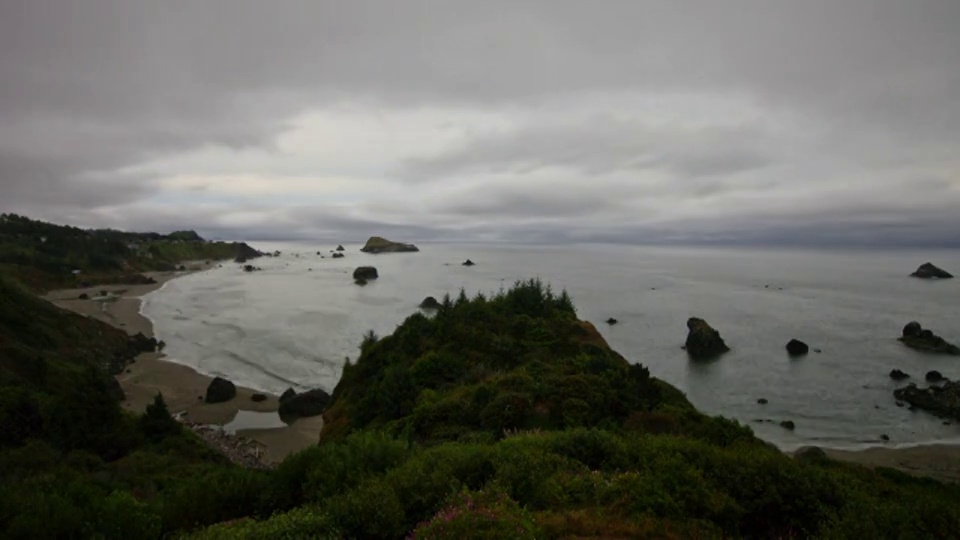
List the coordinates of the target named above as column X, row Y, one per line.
column 430, row 303
column 360, row 282
column 933, row 376
column 611, row 321
column 468, row 262
column 340, row 247
column 788, row 424
column 309, row 403
column 797, row 348
column 703, row 341
column 378, row 244
column 337, row 255
column 912, row 329
column 943, row 401
column 220, row 390
column 929, row 271
column 898, row 375
column 915, row 337
column 365, row 273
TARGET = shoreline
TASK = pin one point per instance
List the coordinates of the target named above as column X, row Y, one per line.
column 182, row 386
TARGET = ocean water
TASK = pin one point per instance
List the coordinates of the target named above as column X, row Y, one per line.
column 295, row 322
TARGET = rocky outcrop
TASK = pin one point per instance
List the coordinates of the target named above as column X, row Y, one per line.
column 796, row 347
column 915, row 337
column 788, row 424
column 377, row 244
column 611, row 321
column 468, row 262
column 934, row 376
column 220, row 390
column 942, row 401
column 429, row 303
column 337, row 255
column 898, row 375
column 703, row 341
column 929, row 271
column 309, row 403
column 251, row 268
column 245, row 253
column 361, row 282
column 140, row 343
column 340, row 247
column 365, row 273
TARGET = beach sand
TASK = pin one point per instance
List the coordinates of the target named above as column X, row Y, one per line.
column 182, row 387
column 938, row 461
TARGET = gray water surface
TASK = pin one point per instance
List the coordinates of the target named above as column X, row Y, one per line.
column 294, row 323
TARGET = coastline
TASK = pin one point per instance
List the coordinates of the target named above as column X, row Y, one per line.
column 182, row 387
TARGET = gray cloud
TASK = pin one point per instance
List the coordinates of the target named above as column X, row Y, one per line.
column 785, row 116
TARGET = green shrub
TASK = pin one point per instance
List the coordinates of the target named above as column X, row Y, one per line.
column 305, row 522
column 479, row 515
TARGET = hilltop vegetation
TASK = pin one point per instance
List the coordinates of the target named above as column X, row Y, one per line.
column 44, row 255
column 500, row 417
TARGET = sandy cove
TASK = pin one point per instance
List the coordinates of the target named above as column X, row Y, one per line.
column 182, row 387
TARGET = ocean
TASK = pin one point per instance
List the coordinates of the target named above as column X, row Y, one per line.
column 295, row 322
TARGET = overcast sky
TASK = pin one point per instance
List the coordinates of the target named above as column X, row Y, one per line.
column 820, row 122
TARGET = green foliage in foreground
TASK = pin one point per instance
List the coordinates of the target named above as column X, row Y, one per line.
column 501, row 417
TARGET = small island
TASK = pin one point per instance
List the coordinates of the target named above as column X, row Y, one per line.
column 377, row 244
column 931, row 271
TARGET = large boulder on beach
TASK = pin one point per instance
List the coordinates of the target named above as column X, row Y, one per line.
column 918, row 338
column 703, row 341
column 377, row 244
column 287, row 394
column 142, row 344
column 795, row 347
column 930, row 271
column 430, row 303
column 309, row 403
column 220, row 390
column 942, row 401
column 365, row 273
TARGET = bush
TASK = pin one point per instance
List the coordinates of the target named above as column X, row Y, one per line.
column 306, row 522
column 480, row 514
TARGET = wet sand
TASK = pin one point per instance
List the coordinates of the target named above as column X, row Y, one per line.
column 182, row 387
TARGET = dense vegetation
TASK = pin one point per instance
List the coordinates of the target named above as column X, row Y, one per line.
column 499, row 417
column 44, row 255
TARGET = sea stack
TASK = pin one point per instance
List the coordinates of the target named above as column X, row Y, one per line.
column 918, row 338
column 377, row 244
column 930, row 271
column 703, row 341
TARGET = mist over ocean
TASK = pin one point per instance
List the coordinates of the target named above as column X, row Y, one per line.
column 295, row 322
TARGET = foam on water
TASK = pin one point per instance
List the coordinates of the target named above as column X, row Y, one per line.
column 294, row 323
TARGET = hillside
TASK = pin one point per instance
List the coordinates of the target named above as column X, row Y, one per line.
column 500, row 417
column 45, row 256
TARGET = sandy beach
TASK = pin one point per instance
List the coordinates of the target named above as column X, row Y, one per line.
column 182, row 387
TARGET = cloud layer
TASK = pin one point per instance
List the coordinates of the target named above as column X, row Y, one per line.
column 736, row 122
